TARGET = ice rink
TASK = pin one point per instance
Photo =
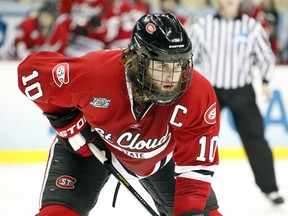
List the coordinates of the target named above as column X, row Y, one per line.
column 233, row 183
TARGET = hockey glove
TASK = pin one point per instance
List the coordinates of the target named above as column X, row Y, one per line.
column 74, row 132
column 80, row 30
column 196, row 213
column 95, row 21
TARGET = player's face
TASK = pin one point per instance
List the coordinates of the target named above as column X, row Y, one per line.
column 164, row 76
column 46, row 19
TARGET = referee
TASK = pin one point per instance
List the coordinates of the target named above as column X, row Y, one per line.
column 226, row 46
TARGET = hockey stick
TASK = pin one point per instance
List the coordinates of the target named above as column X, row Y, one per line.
column 97, row 153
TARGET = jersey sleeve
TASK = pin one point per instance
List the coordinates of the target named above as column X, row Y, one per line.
column 53, row 82
column 264, row 56
column 22, row 44
column 58, row 40
column 196, row 151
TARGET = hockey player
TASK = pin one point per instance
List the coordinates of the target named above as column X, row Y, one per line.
column 87, row 27
column 99, row 24
column 42, row 32
column 151, row 114
column 120, row 20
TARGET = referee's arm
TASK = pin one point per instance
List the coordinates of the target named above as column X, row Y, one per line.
column 264, row 56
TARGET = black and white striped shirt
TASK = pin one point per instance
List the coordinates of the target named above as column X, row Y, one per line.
column 225, row 50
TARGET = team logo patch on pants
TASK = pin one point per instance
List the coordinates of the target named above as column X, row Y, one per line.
column 66, row 182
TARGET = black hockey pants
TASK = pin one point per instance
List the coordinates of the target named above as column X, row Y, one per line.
column 76, row 182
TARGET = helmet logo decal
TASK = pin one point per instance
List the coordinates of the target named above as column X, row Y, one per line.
column 60, row 74
column 150, row 28
column 210, row 114
column 177, row 46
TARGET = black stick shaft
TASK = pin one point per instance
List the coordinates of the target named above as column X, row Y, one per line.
column 97, row 153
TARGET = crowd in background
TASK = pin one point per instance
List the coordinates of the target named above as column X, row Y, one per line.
column 75, row 27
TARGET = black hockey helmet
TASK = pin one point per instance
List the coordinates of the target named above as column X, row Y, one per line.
column 161, row 37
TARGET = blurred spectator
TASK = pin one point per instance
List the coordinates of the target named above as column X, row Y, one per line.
column 100, row 24
column 171, row 6
column 121, row 18
column 272, row 16
column 3, row 28
column 208, row 3
column 248, row 7
column 87, row 29
column 37, row 33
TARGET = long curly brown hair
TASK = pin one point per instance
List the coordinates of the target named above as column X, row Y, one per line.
column 130, row 61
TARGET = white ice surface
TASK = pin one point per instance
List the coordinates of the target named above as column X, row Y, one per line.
column 233, row 182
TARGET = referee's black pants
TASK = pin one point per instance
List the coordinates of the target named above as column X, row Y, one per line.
column 250, row 126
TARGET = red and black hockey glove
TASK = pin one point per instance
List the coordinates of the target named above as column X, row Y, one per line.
column 74, row 132
column 94, row 22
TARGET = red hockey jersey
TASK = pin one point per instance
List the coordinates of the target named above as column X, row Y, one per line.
column 30, row 40
column 120, row 18
column 96, row 84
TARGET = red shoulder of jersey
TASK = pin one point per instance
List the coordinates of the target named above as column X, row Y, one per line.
column 52, row 80
column 196, row 148
column 201, row 123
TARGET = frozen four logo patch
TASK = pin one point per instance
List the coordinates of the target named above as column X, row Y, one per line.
column 61, row 74
column 100, row 102
column 210, row 114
